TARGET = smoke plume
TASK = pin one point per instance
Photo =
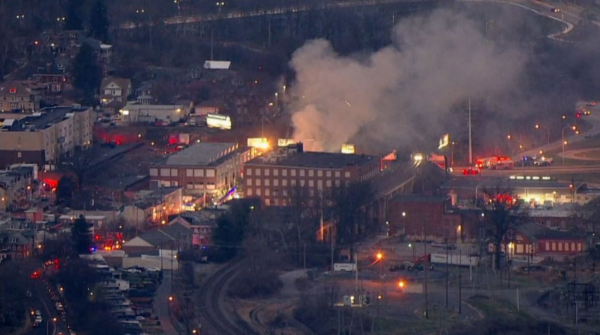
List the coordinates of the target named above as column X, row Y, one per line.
column 402, row 93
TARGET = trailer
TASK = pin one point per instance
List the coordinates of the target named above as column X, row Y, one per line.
column 455, row 259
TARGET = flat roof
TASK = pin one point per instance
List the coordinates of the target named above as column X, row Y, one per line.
column 432, row 199
column 46, row 116
column 470, row 182
column 326, row 160
column 202, row 154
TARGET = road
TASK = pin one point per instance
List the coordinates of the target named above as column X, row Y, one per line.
column 161, row 304
column 569, row 13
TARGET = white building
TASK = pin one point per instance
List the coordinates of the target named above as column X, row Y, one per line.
column 133, row 113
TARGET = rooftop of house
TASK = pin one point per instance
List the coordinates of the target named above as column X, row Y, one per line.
column 165, row 234
column 10, row 177
column 14, row 88
column 121, row 82
column 203, row 154
column 324, row 160
column 45, row 118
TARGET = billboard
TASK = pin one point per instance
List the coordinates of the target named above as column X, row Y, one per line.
column 348, row 149
column 218, row 121
column 258, row 142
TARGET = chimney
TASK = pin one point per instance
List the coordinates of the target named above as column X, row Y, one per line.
column 300, row 147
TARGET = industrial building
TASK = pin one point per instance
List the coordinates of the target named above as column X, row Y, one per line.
column 274, row 176
column 165, row 114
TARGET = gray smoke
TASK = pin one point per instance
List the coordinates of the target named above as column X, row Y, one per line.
column 404, row 92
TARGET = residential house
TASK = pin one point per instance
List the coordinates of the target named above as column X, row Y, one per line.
column 15, row 187
column 115, row 90
column 201, row 223
column 54, row 77
column 143, row 94
column 17, row 245
column 153, row 206
column 14, row 96
column 169, row 237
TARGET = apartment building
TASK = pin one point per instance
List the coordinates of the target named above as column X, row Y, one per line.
column 273, row 176
column 44, row 136
column 16, row 97
column 203, row 167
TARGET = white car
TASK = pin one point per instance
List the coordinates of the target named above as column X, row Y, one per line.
column 555, row 10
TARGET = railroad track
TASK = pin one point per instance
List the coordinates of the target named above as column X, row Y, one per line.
column 216, row 322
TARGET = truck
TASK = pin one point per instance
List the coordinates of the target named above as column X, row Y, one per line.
column 455, row 259
column 495, row 163
column 344, row 267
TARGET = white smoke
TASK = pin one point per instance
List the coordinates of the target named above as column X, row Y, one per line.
column 401, row 93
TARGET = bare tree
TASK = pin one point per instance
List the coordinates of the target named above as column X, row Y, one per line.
column 79, row 163
column 501, row 214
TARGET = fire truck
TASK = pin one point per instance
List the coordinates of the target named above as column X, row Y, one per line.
column 495, row 163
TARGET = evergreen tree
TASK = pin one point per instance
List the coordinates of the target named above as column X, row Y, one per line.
column 81, row 237
column 73, row 21
column 87, row 73
column 99, row 21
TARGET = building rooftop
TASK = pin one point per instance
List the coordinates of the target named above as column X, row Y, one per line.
column 312, row 159
column 202, row 154
column 432, row 199
column 493, row 182
column 537, row 231
column 15, row 88
column 45, row 118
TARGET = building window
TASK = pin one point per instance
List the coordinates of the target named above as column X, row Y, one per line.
column 19, row 154
column 311, row 173
column 553, row 246
column 258, row 182
column 173, row 172
column 311, row 183
column 267, row 192
column 337, row 183
column 337, row 174
column 267, row 202
column 276, row 182
column 319, row 173
column 165, row 172
column 293, row 173
column 293, row 182
column 267, row 172
column 328, row 183
column 210, row 173
column 258, row 172
column 559, row 246
column 249, row 192
column 319, row 185
column 266, row 182
column 190, row 186
column 302, row 182
column 284, row 172
column 198, row 173
column 578, row 246
column 328, row 173
column 249, row 182
column 276, row 172
column 189, row 173
column 573, row 246
column 566, row 246
column 258, row 192
column 301, row 173
column 275, row 202
column 284, row 182
column 547, row 246
column 248, row 171
column 347, row 174
column 154, row 172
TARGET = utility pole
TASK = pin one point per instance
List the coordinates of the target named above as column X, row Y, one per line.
column 356, row 270
column 460, row 280
column 470, row 134
column 212, row 44
column 447, row 276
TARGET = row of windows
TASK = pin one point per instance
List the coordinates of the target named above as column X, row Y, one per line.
column 560, row 246
column 166, row 172
column 200, row 186
column 301, row 172
column 284, row 182
column 275, row 193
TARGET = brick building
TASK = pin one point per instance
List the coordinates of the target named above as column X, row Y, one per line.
column 203, row 168
column 536, row 240
column 426, row 217
column 272, row 177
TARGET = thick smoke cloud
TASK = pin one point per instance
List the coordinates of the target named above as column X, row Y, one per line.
column 404, row 92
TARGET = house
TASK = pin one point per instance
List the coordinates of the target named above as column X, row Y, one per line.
column 532, row 239
column 115, row 89
column 201, row 224
column 16, row 97
column 54, row 77
column 15, row 187
column 153, row 205
column 143, row 93
column 17, row 245
column 169, row 237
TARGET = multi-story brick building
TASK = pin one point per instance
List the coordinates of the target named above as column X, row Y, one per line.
column 273, row 177
column 44, row 136
column 203, row 168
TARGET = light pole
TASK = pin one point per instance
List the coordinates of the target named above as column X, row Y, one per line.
column 565, row 142
column 452, row 154
column 537, row 126
column 48, row 325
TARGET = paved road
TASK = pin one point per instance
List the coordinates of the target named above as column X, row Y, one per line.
column 569, row 13
column 161, row 304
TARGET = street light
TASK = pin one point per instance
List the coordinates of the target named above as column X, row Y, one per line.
column 565, row 142
column 509, row 137
column 379, row 256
